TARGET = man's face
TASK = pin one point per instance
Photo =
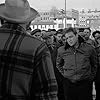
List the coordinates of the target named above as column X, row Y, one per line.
column 49, row 40
column 38, row 35
column 97, row 36
column 59, row 37
column 87, row 34
column 71, row 38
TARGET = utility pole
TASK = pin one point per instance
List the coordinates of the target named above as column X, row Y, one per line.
column 65, row 14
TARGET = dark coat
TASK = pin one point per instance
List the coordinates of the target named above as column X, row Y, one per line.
column 97, row 78
column 77, row 64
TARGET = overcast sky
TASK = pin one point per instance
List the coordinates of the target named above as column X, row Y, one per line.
column 76, row 4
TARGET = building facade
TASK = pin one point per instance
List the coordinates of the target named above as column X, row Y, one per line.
column 55, row 19
column 90, row 18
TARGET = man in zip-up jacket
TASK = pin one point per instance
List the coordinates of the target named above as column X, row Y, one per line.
column 77, row 62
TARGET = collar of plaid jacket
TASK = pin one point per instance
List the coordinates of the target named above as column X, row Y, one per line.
column 14, row 27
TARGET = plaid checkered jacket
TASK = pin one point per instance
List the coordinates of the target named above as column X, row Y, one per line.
column 26, row 70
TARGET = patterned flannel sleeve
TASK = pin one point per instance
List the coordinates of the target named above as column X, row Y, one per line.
column 45, row 81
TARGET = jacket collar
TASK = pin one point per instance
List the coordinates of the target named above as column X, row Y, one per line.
column 12, row 26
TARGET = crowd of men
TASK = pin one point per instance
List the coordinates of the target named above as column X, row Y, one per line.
column 55, row 40
column 45, row 64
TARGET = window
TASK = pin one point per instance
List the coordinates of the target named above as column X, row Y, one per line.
column 69, row 18
column 60, row 25
column 69, row 25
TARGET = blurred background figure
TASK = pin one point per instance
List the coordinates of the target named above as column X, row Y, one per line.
column 52, row 43
column 49, row 38
column 86, row 36
column 85, row 33
column 96, row 35
column 58, row 38
column 80, row 31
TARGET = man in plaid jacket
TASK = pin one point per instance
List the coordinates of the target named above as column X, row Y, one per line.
column 26, row 70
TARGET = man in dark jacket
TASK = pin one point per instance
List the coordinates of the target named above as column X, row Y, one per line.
column 96, row 35
column 53, row 47
column 77, row 61
column 26, row 70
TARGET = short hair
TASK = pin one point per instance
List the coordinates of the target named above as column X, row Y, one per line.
column 88, row 28
column 70, row 29
column 51, row 30
column 93, row 34
column 60, row 31
column 81, row 29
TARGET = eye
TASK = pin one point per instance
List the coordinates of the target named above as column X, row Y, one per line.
column 70, row 36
